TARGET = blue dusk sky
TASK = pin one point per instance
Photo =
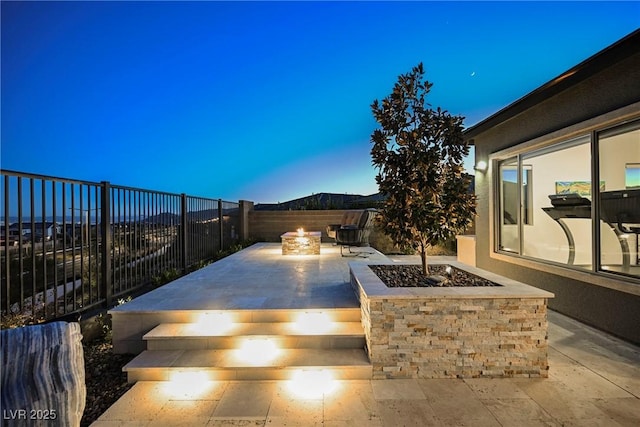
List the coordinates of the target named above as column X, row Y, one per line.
column 265, row 101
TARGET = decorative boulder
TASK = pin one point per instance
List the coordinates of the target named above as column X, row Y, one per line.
column 43, row 380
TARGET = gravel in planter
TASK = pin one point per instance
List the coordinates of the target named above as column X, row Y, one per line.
column 410, row 276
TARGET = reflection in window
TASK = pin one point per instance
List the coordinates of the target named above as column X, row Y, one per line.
column 508, row 235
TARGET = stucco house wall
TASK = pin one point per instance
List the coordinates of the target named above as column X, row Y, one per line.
column 600, row 92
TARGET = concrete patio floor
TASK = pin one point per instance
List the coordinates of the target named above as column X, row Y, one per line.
column 594, row 378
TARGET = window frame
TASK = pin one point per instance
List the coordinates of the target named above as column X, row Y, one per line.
column 597, row 136
column 552, row 143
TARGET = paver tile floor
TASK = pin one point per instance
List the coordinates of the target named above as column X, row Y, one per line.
column 260, row 277
column 594, row 378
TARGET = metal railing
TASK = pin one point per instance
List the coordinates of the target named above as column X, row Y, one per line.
column 68, row 246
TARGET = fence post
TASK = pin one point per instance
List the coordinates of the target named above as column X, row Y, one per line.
column 220, row 218
column 105, row 249
column 245, row 206
column 183, row 228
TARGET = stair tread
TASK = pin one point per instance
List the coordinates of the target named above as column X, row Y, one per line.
column 194, row 330
column 229, row 359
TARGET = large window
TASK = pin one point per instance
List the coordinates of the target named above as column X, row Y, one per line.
column 550, row 208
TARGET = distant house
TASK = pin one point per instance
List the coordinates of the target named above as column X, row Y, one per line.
column 37, row 231
column 559, row 190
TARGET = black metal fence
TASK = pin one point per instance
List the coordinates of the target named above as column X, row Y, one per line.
column 67, row 246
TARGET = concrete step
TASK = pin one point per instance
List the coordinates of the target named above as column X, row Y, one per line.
column 198, row 336
column 233, row 364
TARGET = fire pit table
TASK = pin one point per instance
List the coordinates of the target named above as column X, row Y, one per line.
column 301, row 243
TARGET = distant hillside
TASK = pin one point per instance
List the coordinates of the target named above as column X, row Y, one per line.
column 332, row 201
column 324, row 201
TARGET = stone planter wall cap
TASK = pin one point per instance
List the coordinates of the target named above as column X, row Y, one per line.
column 374, row 288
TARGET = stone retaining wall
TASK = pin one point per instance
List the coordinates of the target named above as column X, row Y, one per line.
column 453, row 332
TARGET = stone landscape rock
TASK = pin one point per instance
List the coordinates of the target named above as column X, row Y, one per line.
column 43, row 375
column 408, row 275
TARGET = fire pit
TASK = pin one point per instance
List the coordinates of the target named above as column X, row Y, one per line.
column 301, row 242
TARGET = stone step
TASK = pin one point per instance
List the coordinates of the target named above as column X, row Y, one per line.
column 129, row 327
column 228, row 365
column 198, row 336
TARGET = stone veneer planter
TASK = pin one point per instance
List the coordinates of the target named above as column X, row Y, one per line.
column 453, row 332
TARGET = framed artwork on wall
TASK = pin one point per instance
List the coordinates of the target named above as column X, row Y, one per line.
column 632, row 175
column 583, row 188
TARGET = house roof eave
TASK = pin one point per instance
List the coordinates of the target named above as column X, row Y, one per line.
column 612, row 54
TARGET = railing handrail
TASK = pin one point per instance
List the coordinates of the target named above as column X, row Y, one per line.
column 123, row 187
column 45, row 177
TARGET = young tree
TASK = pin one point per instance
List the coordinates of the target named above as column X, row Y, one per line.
column 419, row 154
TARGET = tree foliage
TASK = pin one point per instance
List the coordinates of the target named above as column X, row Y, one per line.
column 419, row 154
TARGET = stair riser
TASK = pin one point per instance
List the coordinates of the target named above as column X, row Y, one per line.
column 239, row 316
column 212, row 343
column 248, row 374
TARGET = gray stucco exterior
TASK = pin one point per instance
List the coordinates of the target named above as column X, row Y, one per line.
column 601, row 92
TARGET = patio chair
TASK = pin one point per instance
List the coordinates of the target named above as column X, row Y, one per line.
column 353, row 231
column 349, row 219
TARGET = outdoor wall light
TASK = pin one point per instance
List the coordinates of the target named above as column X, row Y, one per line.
column 213, row 323
column 481, row 166
column 257, row 351
column 313, row 323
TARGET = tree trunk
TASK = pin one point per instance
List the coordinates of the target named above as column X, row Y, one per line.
column 423, row 258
